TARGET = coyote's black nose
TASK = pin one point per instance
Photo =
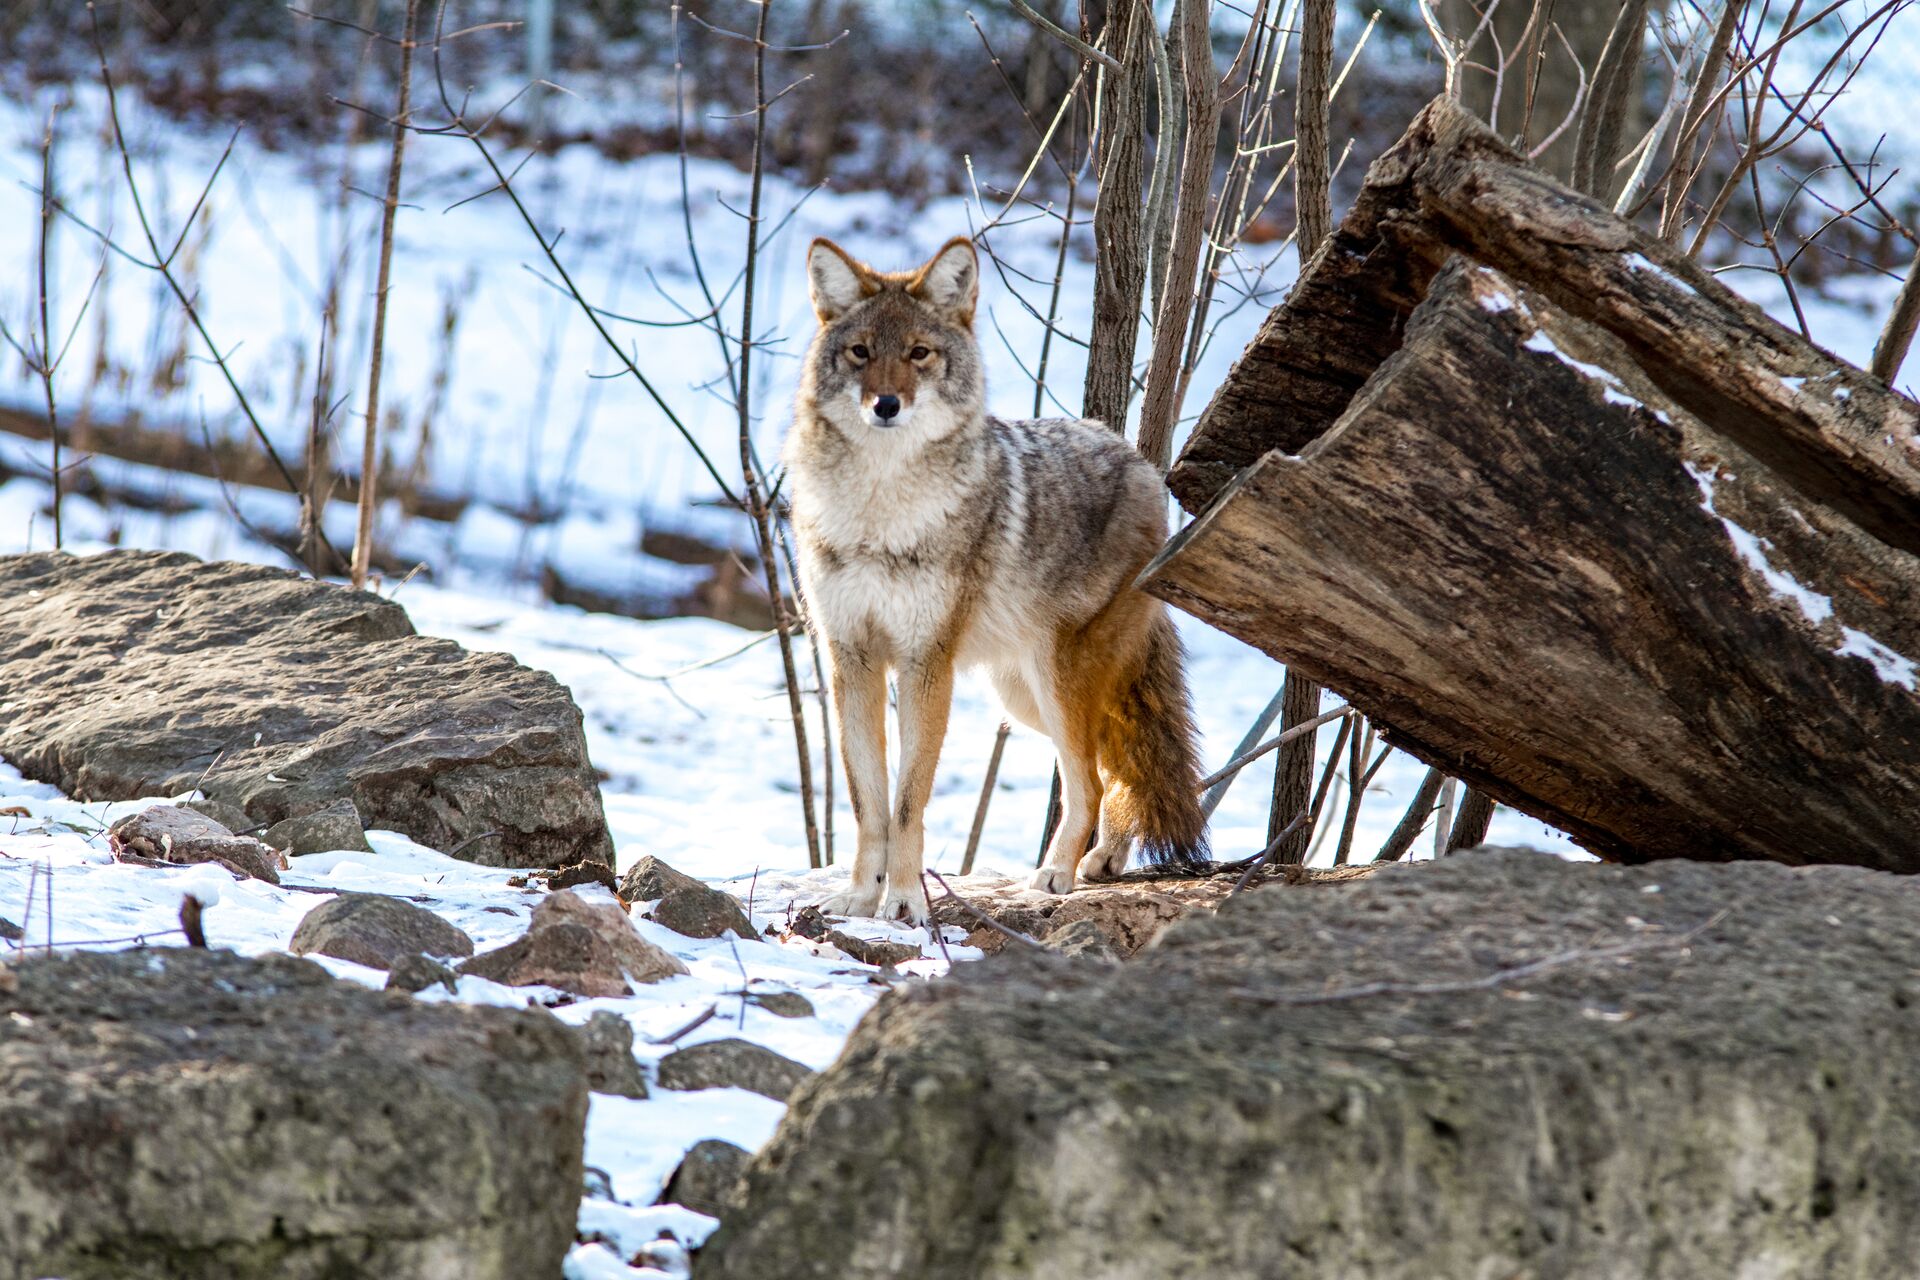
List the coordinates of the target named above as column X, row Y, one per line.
column 888, row 407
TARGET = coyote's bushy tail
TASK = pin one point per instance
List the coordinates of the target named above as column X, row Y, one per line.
column 1150, row 750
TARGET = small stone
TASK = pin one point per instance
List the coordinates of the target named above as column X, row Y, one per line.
column 877, row 952
column 9, row 931
column 733, row 1064
column 416, row 973
column 579, row 946
column 699, row 911
column 650, row 880
column 708, row 1178
column 376, row 930
column 335, row 827
column 611, row 1066
column 782, row 1004
column 169, row 833
column 810, row 923
column 583, row 873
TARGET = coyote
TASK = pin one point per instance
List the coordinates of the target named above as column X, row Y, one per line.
column 934, row 536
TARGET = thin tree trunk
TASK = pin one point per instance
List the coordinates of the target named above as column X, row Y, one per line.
column 1443, row 820
column 1470, row 824
column 1120, row 264
column 756, row 495
column 369, row 448
column 1313, row 164
column 1162, row 407
column 1313, row 205
column 1413, row 820
column 986, row 797
column 1891, row 351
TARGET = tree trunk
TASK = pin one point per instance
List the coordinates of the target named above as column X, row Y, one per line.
column 1120, row 266
column 1685, row 656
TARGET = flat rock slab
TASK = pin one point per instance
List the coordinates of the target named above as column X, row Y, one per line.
column 140, row 673
column 1498, row 1065
column 1127, row 912
column 181, row 1114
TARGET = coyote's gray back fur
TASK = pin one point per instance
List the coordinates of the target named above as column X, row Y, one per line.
column 931, row 534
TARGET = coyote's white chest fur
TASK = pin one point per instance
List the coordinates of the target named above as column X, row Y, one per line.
column 885, row 542
column 932, row 536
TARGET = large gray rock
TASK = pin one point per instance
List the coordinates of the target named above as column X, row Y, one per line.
column 193, row 1115
column 1499, row 1065
column 139, row 673
column 376, row 930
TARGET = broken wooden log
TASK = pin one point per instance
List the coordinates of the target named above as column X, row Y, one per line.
column 1835, row 433
column 1555, row 575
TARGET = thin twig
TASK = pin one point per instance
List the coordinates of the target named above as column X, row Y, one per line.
column 1240, row 762
column 1012, row 934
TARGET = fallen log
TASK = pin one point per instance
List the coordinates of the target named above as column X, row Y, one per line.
column 1835, row 433
column 1555, row 576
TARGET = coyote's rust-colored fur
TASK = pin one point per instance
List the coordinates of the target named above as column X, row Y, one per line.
column 932, row 536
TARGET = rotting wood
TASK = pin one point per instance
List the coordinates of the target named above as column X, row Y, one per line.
column 1678, row 652
column 1836, row 434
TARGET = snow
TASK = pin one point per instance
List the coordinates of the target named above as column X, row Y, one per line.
column 1611, row 387
column 1890, row 665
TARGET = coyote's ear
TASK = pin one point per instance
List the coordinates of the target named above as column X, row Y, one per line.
column 950, row 280
column 838, row 283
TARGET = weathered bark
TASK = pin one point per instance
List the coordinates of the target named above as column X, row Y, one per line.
column 1415, row 818
column 1470, row 827
column 1313, row 207
column 1837, row 435
column 1682, row 655
column 1120, row 269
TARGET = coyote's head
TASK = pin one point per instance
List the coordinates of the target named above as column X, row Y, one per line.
column 895, row 352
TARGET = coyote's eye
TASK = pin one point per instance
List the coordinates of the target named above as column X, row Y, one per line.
column 918, row 353
column 859, row 351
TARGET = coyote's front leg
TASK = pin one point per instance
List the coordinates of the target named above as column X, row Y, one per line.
column 926, row 698
column 860, row 706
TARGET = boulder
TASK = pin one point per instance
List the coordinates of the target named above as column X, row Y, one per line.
column 708, row 1179
column 733, row 1064
column 376, row 930
column 1497, row 1065
column 700, row 911
column 607, row 1040
column 326, row 829
column 584, row 947
column 415, row 973
column 137, row 673
column 650, row 879
column 168, row 833
column 181, row 1114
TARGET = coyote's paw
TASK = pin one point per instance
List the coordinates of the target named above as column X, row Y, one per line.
column 853, row 902
column 1104, row 863
column 909, row 905
column 1052, row 880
